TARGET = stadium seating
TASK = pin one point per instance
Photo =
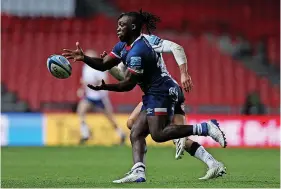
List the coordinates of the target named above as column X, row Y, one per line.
column 27, row 43
column 263, row 16
column 273, row 46
column 252, row 19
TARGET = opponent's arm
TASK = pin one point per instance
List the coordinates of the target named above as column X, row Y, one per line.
column 101, row 64
column 117, row 73
column 171, row 47
column 180, row 57
column 127, row 84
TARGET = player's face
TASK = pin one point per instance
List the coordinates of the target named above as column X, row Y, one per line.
column 124, row 28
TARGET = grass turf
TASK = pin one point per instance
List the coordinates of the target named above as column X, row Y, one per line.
column 90, row 167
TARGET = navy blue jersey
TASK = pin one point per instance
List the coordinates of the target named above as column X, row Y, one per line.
column 162, row 95
column 142, row 60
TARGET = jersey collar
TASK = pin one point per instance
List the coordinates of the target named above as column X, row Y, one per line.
column 129, row 47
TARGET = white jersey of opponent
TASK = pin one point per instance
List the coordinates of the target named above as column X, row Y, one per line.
column 157, row 44
column 94, row 77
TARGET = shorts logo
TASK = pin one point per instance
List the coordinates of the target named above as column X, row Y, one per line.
column 173, row 92
column 149, row 111
column 183, row 107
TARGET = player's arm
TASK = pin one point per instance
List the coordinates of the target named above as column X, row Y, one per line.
column 101, row 64
column 129, row 82
column 166, row 46
column 117, row 73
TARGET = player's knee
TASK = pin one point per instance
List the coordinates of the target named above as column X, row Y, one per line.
column 130, row 123
column 81, row 111
column 157, row 137
column 134, row 135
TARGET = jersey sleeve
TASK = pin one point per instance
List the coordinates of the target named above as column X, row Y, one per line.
column 116, row 51
column 159, row 45
column 166, row 46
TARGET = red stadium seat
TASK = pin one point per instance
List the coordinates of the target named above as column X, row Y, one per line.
column 218, row 80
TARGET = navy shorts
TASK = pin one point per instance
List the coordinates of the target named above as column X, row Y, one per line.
column 166, row 100
column 98, row 103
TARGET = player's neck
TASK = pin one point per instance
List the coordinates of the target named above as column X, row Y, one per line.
column 131, row 40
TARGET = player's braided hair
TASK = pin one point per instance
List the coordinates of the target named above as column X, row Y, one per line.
column 142, row 19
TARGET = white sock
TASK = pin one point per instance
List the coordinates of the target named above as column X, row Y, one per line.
column 205, row 156
column 139, row 166
column 197, row 129
column 119, row 132
column 85, row 132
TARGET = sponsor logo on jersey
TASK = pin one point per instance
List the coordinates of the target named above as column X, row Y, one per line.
column 135, row 62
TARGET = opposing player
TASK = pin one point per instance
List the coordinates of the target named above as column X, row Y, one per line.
column 161, row 93
column 215, row 168
column 94, row 99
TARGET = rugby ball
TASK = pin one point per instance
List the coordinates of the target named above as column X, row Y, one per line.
column 59, row 66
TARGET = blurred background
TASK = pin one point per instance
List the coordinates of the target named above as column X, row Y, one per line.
column 233, row 50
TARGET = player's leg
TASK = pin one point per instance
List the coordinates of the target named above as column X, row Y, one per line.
column 161, row 105
column 137, row 137
column 215, row 168
column 179, row 119
column 138, row 134
column 160, row 110
column 83, row 107
column 134, row 115
column 106, row 107
column 162, row 131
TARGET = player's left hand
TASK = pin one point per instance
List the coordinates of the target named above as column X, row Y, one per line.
column 186, row 82
column 98, row 88
column 76, row 55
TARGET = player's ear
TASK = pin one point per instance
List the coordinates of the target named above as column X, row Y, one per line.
column 133, row 26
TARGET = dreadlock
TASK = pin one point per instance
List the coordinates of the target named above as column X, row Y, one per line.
column 142, row 19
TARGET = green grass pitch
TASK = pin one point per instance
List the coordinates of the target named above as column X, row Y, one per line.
column 90, row 167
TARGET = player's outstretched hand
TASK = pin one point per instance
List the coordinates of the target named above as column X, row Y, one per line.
column 97, row 88
column 186, row 82
column 103, row 54
column 76, row 55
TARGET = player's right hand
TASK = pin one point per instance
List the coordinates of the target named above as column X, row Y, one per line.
column 186, row 82
column 98, row 88
column 76, row 55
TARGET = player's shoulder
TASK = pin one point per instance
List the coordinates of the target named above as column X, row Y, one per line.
column 118, row 48
column 142, row 45
column 152, row 39
column 141, row 48
column 120, row 44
